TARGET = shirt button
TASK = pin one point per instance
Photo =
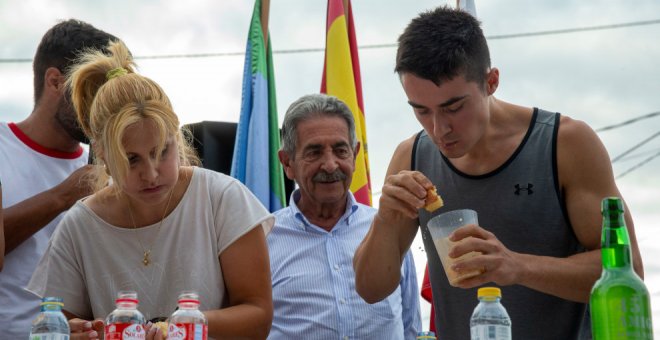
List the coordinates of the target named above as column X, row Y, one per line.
column 342, row 301
column 336, row 267
column 345, row 338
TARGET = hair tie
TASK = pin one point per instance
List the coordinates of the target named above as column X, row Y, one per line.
column 115, row 72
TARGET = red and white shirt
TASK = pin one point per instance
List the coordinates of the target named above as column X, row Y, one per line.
column 26, row 169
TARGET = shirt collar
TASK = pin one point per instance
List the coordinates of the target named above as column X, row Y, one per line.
column 351, row 208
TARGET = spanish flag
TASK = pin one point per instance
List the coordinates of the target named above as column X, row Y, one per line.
column 341, row 78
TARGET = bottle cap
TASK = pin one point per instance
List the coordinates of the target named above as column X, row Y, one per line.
column 49, row 300
column 127, row 296
column 489, row 291
column 611, row 204
column 189, row 296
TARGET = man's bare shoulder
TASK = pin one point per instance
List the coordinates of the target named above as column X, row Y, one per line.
column 580, row 153
column 576, row 134
column 569, row 125
column 401, row 160
column 406, row 146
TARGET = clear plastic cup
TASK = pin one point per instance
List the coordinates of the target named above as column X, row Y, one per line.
column 441, row 227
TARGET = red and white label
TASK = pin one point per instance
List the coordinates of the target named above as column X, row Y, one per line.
column 124, row 331
column 187, row 331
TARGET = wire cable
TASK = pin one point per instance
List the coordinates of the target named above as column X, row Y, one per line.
column 575, row 30
column 628, row 122
column 377, row 46
column 637, row 146
column 638, row 165
column 638, row 155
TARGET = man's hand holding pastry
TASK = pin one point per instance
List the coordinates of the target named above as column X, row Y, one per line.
column 405, row 193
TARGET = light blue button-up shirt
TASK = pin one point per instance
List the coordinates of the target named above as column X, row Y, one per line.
column 314, row 293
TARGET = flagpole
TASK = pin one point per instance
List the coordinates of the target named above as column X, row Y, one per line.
column 265, row 9
column 468, row 6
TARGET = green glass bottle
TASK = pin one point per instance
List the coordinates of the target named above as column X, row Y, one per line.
column 619, row 303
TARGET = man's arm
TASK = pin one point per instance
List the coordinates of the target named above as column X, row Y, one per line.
column 27, row 217
column 378, row 259
column 585, row 177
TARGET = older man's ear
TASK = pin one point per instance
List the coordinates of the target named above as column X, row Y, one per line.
column 286, row 164
column 356, row 150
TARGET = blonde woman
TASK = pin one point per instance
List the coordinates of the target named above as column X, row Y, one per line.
column 161, row 226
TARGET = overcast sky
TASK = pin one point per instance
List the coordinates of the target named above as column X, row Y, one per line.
column 602, row 77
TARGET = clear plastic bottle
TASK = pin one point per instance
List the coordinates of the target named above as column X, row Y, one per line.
column 50, row 324
column 490, row 321
column 125, row 322
column 188, row 322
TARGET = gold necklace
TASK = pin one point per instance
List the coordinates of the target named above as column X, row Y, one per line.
column 146, row 260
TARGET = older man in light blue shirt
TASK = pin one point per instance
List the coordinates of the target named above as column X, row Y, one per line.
column 312, row 244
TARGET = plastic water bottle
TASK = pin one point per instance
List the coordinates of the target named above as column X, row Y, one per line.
column 50, row 324
column 426, row 335
column 188, row 322
column 125, row 322
column 490, row 321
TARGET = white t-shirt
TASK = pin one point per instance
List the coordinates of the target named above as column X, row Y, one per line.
column 27, row 169
column 88, row 260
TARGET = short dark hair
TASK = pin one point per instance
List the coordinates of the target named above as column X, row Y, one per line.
column 60, row 46
column 441, row 44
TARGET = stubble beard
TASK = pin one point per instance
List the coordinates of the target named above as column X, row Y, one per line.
column 67, row 120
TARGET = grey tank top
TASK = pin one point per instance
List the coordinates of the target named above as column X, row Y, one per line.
column 520, row 203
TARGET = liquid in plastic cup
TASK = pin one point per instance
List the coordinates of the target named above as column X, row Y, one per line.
column 441, row 227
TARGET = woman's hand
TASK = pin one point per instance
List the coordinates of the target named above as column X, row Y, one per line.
column 153, row 333
column 85, row 329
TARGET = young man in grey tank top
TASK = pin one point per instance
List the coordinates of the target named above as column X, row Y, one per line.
column 535, row 178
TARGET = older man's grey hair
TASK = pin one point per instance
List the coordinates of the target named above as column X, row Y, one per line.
column 313, row 106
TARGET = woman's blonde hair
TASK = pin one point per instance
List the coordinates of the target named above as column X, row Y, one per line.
column 108, row 97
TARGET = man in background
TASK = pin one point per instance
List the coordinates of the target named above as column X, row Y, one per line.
column 312, row 244
column 42, row 166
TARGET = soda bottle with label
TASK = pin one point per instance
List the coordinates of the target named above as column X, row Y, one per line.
column 619, row 302
column 50, row 324
column 490, row 321
column 125, row 322
column 188, row 322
